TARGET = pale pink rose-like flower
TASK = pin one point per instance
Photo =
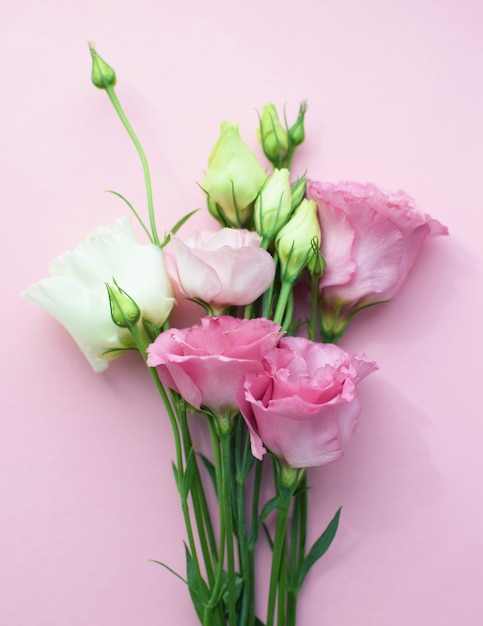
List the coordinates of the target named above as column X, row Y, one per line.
column 304, row 405
column 370, row 241
column 205, row 363
column 221, row 268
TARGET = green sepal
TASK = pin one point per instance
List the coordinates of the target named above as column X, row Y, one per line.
column 318, row 549
column 152, row 331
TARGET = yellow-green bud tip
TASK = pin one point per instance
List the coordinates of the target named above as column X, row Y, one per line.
column 103, row 76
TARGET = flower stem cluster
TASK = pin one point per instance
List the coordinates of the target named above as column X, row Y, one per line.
column 291, row 258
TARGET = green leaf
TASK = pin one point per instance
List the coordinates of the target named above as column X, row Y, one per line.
column 170, row 569
column 188, row 473
column 176, row 476
column 258, row 622
column 196, row 585
column 210, row 468
column 319, row 548
column 269, row 506
column 135, row 213
column 177, row 226
column 268, row 536
column 238, row 587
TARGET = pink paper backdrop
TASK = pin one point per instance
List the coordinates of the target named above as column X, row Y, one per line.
column 395, row 97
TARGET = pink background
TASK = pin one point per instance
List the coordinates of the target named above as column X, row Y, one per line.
column 395, row 96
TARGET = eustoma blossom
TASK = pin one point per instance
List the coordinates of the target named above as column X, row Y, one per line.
column 205, row 363
column 304, row 405
column 75, row 292
column 222, row 268
column 370, row 241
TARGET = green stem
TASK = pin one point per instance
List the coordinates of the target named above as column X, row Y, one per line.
column 282, row 582
column 224, row 425
column 200, row 509
column 278, row 552
column 141, row 344
column 314, row 306
column 288, row 316
column 283, row 298
column 216, row 589
column 287, row 479
column 147, row 178
column 246, row 556
column 297, row 549
column 267, row 300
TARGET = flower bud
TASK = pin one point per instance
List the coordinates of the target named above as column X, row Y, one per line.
column 273, row 136
column 294, row 241
column 274, row 204
column 125, row 312
column 297, row 131
column 315, row 261
column 234, row 178
column 103, row 76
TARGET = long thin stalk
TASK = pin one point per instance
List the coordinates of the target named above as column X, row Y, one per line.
column 278, row 552
column 216, row 589
column 144, row 162
column 141, row 344
column 202, row 517
column 226, row 495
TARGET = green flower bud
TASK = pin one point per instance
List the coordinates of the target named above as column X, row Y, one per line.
column 273, row 136
column 294, row 241
column 274, row 204
column 234, row 178
column 315, row 261
column 297, row 131
column 125, row 312
column 103, row 76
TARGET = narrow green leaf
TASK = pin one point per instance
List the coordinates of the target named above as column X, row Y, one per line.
column 269, row 506
column 177, row 226
column 210, row 468
column 268, row 536
column 188, row 473
column 258, row 622
column 135, row 213
column 170, row 569
column 176, row 476
column 319, row 548
column 196, row 585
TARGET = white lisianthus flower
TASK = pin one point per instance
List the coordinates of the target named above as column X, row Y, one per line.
column 76, row 295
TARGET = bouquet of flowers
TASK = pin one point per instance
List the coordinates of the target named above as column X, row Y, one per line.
column 277, row 286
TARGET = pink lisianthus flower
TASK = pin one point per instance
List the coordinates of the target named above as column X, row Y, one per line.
column 206, row 363
column 304, row 405
column 222, row 268
column 370, row 241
